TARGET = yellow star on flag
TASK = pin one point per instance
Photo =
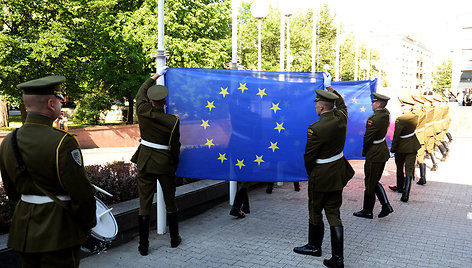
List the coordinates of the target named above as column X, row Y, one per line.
column 362, row 109
column 209, row 143
column 210, row 105
column 354, row 100
column 224, row 92
column 279, row 127
column 205, row 124
column 273, row 146
column 240, row 164
column 261, row 92
column 259, row 159
column 222, row 157
column 242, row 87
column 275, row 107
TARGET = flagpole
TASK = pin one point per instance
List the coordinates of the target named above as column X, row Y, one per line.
column 160, row 61
column 233, row 185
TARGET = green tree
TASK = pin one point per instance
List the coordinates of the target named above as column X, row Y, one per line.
column 443, row 76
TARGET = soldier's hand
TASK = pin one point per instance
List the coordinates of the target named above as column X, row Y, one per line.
column 162, row 70
column 327, row 80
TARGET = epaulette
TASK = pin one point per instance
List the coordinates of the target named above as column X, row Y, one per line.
column 61, row 130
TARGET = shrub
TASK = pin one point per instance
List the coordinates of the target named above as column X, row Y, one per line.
column 7, row 207
column 117, row 178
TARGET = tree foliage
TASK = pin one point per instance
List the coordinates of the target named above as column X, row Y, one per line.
column 443, row 76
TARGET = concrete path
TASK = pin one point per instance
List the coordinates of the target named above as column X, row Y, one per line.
column 434, row 229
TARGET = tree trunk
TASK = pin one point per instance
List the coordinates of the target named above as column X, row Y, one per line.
column 130, row 118
column 3, row 114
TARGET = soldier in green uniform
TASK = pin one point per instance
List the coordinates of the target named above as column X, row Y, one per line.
column 405, row 145
column 438, row 126
column 157, row 157
column 375, row 151
column 328, row 172
column 429, row 131
column 420, row 135
column 42, row 167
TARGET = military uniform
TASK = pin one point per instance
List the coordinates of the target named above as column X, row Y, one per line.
column 375, row 151
column 429, row 132
column 405, row 145
column 420, row 135
column 328, row 172
column 157, row 157
column 44, row 232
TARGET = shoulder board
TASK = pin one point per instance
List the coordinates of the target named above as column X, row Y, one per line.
column 174, row 115
column 370, row 122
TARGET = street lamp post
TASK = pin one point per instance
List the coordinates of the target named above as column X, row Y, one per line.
column 259, row 10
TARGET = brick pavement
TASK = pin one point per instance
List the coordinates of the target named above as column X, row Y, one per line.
column 432, row 230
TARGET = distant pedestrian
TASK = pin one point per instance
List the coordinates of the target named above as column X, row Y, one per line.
column 61, row 122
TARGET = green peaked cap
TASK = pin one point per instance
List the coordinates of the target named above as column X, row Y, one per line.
column 323, row 95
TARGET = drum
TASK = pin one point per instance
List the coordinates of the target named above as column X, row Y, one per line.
column 103, row 233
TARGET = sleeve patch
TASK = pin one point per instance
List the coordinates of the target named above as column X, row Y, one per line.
column 77, row 156
column 310, row 132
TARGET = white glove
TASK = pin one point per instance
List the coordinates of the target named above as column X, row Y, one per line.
column 327, row 80
column 162, row 70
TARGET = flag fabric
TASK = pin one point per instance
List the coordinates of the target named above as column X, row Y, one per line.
column 251, row 125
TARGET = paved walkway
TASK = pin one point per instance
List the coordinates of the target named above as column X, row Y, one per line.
column 434, row 229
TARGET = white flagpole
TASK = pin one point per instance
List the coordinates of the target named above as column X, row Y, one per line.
column 234, row 65
column 160, row 61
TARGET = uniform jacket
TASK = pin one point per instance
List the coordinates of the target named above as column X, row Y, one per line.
column 325, row 138
column 421, row 124
column 428, row 126
column 376, row 129
column 437, row 123
column 404, row 125
column 54, row 162
column 157, row 127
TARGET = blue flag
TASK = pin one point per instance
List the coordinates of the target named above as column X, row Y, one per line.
column 251, row 126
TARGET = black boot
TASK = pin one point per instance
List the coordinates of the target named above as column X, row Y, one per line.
column 143, row 224
column 366, row 212
column 422, row 180
column 449, row 136
column 406, row 191
column 296, row 186
column 382, row 196
column 446, row 146
column 270, row 187
column 337, row 243
column 435, row 165
column 238, row 200
column 443, row 152
column 315, row 239
column 173, row 221
column 245, row 208
column 400, row 180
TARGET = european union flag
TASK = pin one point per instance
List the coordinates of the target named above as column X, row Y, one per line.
column 251, row 126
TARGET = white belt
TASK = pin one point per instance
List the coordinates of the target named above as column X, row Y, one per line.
column 419, row 130
column 154, row 145
column 42, row 199
column 407, row 135
column 429, row 124
column 379, row 141
column 331, row 159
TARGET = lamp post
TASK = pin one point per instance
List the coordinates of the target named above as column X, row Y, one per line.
column 259, row 10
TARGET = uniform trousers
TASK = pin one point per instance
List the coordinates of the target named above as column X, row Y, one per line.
column 64, row 258
column 147, row 187
column 373, row 172
column 420, row 154
column 429, row 144
column 329, row 201
column 406, row 160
